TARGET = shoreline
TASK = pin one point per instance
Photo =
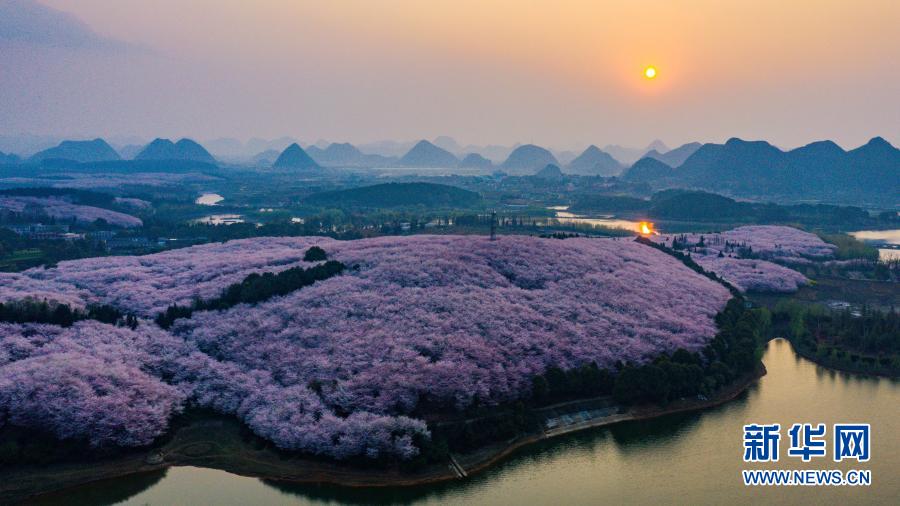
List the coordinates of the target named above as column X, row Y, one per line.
column 218, row 444
column 839, row 368
column 634, row 414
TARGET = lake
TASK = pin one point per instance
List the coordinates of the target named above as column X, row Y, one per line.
column 209, row 199
column 882, row 238
column 563, row 216
column 692, row 458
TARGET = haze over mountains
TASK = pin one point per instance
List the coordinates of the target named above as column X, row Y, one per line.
column 628, row 156
column 8, row 158
column 594, row 162
column 820, row 170
column 294, row 157
column 550, row 172
column 426, row 154
column 184, row 149
column 475, row 161
column 346, row 155
column 528, row 159
column 675, row 157
column 96, row 150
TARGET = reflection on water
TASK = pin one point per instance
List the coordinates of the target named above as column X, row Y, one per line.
column 221, row 219
column 563, row 216
column 692, row 458
column 567, row 217
column 888, row 254
column 209, row 199
column 882, row 238
column 103, row 492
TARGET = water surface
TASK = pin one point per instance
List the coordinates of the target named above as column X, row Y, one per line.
column 882, row 238
column 691, row 458
column 209, row 199
column 221, row 219
column 563, row 216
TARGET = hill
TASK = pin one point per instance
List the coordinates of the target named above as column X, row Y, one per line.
column 648, row 169
column 700, row 206
column 427, row 155
column 293, row 157
column 9, row 158
column 96, row 150
column 336, row 155
column 353, row 365
column 822, row 170
column 63, row 205
column 184, row 149
column 594, row 162
column 709, row 207
column 126, row 166
column 475, row 161
column 346, row 155
column 527, row 159
column 675, row 157
column 550, row 172
column 390, row 195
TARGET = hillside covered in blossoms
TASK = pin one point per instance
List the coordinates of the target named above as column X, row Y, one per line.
column 349, row 365
column 62, row 209
column 751, row 257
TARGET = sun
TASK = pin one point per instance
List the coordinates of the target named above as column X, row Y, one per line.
column 650, row 72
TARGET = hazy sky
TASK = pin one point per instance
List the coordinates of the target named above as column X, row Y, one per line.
column 558, row 73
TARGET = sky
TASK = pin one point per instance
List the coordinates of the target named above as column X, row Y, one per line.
column 558, row 73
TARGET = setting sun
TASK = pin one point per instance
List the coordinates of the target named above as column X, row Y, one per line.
column 650, row 72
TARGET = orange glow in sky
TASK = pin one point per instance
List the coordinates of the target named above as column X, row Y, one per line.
column 561, row 72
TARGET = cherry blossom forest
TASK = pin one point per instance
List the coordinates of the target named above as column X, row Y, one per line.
column 62, row 209
column 344, row 367
column 755, row 257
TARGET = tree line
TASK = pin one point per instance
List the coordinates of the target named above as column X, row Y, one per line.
column 730, row 355
column 690, row 263
column 733, row 353
column 34, row 311
column 259, row 287
column 865, row 340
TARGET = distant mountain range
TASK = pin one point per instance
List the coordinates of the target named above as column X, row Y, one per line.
column 628, row 156
column 447, row 143
column 294, row 157
column 347, row 155
column 8, row 159
column 427, row 155
column 675, row 157
column 96, row 150
column 818, row 171
column 594, row 162
column 184, row 149
column 266, row 158
column 821, row 170
column 528, row 159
